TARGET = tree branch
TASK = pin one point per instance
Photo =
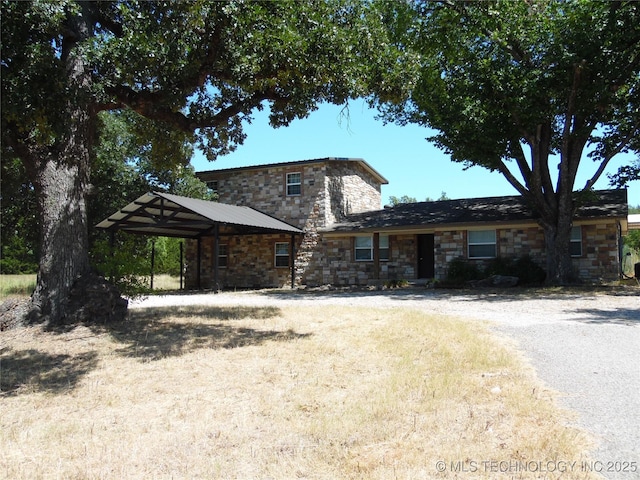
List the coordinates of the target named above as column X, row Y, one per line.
column 607, row 158
column 149, row 105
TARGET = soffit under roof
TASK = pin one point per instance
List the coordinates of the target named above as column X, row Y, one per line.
column 168, row 215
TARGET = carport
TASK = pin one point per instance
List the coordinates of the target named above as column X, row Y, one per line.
column 167, row 215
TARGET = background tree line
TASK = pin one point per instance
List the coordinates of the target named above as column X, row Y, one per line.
column 123, row 168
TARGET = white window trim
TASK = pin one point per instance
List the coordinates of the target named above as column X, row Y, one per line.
column 370, row 249
column 356, row 249
column 277, row 255
column 288, row 184
column 226, row 256
column 578, row 241
column 473, row 244
column 388, row 248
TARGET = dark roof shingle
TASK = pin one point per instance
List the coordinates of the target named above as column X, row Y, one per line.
column 606, row 203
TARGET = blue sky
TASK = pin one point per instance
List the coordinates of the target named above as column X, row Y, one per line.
column 413, row 166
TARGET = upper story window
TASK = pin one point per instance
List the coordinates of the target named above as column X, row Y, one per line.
column 482, row 243
column 213, row 185
column 294, row 183
column 575, row 247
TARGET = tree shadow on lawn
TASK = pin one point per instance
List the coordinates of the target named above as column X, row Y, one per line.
column 160, row 332
column 148, row 334
column 35, row 371
column 496, row 294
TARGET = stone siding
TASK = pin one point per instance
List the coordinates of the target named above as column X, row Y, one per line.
column 600, row 253
column 250, row 263
column 330, row 189
column 350, row 189
column 599, row 260
column 334, row 188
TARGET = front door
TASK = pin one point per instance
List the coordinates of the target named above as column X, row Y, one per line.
column 426, row 257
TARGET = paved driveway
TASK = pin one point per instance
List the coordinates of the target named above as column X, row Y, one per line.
column 585, row 345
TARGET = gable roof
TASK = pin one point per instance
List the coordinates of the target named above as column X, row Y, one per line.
column 168, row 215
column 360, row 161
column 490, row 210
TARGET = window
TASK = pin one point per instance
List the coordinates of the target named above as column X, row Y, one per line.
column 575, row 247
column 383, row 249
column 482, row 243
column 364, row 248
column 223, row 256
column 282, row 254
column 213, row 186
column 294, row 183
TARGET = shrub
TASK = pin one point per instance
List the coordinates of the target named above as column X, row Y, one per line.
column 528, row 271
column 461, row 271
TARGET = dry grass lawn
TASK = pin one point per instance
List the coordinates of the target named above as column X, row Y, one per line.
column 245, row 393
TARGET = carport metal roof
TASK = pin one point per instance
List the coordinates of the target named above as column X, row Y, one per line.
column 168, row 215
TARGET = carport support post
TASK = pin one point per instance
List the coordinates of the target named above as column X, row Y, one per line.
column 293, row 261
column 112, row 268
column 376, row 255
column 181, row 263
column 198, row 276
column 153, row 259
column 216, row 255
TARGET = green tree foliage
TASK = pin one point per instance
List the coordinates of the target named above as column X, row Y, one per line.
column 632, row 240
column 393, row 200
column 185, row 74
column 525, row 89
column 18, row 222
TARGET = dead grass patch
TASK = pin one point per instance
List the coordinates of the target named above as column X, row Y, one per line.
column 274, row 393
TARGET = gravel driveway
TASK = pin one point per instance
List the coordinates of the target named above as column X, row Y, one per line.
column 585, row 345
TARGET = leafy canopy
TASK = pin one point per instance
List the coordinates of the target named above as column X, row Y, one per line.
column 506, row 81
column 191, row 71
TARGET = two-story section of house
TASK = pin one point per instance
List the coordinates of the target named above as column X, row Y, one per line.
column 308, row 194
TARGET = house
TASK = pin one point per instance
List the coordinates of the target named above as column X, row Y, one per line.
column 349, row 239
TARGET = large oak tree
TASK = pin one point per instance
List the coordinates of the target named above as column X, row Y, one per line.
column 529, row 89
column 187, row 71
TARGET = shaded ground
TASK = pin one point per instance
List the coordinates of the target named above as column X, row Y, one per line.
column 584, row 342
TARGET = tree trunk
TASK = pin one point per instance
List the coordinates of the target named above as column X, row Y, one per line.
column 60, row 173
column 559, row 266
column 557, row 236
column 61, row 184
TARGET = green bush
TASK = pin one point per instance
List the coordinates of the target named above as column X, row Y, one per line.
column 461, row 271
column 527, row 271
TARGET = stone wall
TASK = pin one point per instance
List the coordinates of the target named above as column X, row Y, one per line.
column 334, row 188
column 333, row 263
column 599, row 260
column 349, row 189
column 330, row 189
column 250, row 263
column 448, row 245
column 330, row 260
column 600, row 247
